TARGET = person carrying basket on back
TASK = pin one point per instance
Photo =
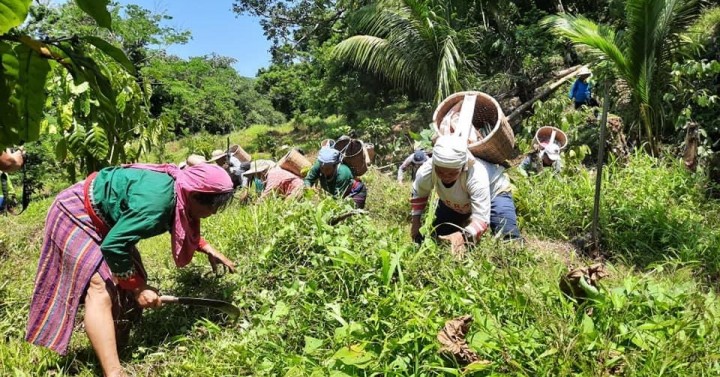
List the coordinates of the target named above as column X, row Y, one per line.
column 335, row 177
column 474, row 195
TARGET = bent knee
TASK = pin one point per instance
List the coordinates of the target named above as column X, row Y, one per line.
column 97, row 290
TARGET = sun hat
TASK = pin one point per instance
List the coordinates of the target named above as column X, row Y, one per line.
column 259, row 166
column 195, row 159
column 552, row 151
column 584, row 71
column 419, row 156
column 217, row 154
column 182, row 165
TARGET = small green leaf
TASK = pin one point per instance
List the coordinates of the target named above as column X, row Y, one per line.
column 61, row 150
column 588, row 327
column 79, row 89
column 12, row 13
column 112, row 52
column 97, row 143
column 311, row 345
column 97, row 9
column 354, row 355
column 281, row 310
column 477, row 366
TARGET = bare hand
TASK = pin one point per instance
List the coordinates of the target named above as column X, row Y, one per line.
column 216, row 259
column 457, row 242
column 147, row 297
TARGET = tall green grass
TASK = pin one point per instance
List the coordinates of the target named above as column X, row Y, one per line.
column 651, row 211
column 361, row 299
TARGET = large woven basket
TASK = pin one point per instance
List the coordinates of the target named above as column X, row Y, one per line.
column 295, row 162
column 496, row 140
column 354, row 155
column 543, row 135
column 240, row 153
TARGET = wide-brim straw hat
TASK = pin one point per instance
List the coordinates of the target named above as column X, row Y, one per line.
column 195, row 159
column 584, row 71
column 259, row 166
column 217, row 154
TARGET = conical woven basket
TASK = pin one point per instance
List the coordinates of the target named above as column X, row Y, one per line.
column 496, row 140
column 353, row 152
column 295, row 163
column 240, row 153
column 543, row 134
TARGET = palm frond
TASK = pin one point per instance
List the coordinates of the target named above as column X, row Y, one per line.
column 598, row 39
column 377, row 55
column 447, row 81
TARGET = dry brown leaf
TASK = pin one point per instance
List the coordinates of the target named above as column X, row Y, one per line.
column 570, row 283
column 452, row 338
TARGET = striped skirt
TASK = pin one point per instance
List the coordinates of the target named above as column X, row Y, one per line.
column 69, row 257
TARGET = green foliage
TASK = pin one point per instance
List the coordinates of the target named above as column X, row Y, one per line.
column 112, row 52
column 640, row 55
column 649, row 212
column 201, row 143
column 206, row 93
column 97, row 9
column 23, row 94
column 12, row 13
column 95, row 102
column 414, row 45
column 360, row 299
column 695, row 99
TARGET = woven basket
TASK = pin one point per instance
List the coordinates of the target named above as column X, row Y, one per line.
column 353, row 153
column 370, row 150
column 240, row 153
column 295, row 163
column 496, row 141
column 543, row 134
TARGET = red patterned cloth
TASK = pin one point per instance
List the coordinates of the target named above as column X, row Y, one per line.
column 70, row 255
column 282, row 182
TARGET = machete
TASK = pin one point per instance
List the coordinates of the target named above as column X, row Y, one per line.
column 223, row 306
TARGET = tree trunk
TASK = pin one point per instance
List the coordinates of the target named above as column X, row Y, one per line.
column 514, row 117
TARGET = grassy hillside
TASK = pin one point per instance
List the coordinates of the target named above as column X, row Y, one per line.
column 361, row 299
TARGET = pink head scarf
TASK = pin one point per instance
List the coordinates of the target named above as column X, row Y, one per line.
column 206, row 178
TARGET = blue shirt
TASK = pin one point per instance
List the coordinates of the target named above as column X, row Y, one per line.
column 580, row 91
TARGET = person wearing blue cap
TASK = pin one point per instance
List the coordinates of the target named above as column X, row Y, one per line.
column 413, row 162
column 335, row 177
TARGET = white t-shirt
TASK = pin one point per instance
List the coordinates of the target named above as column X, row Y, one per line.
column 470, row 194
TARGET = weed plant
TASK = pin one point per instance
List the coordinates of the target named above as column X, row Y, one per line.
column 360, row 299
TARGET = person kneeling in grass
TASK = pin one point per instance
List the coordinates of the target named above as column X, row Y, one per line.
column 335, row 177
column 473, row 194
column 89, row 255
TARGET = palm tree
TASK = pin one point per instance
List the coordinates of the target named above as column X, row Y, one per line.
column 640, row 54
column 411, row 43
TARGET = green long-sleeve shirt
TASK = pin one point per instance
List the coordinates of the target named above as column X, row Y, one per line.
column 336, row 186
column 137, row 204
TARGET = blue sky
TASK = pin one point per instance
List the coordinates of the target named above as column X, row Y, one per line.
column 215, row 28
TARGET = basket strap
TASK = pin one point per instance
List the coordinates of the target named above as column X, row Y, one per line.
column 466, row 114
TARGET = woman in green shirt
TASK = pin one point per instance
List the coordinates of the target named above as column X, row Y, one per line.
column 336, row 178
column 89, row 254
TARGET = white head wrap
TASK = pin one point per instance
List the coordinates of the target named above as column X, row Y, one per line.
column 450, row 152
